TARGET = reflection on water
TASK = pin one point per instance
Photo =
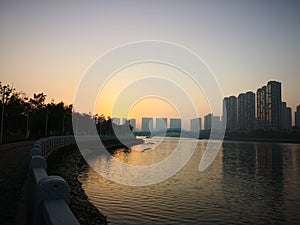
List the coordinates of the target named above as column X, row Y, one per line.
column 253, row 182
column 248, row 183
column 150, row 152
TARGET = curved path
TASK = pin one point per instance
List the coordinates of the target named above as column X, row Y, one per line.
column 14, row 161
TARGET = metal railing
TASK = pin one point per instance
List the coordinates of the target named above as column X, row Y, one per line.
column 48, row 197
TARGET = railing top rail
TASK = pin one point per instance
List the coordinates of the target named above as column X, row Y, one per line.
column 58, row 212
column 48, row 196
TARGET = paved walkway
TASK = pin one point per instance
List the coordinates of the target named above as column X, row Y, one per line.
column 14, row 160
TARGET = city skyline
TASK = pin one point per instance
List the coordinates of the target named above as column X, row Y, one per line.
column 48, row 47
column 248, row 111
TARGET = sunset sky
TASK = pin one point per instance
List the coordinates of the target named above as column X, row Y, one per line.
column 47, row 46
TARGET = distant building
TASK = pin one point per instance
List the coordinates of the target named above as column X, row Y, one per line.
column 273, row 104
column 116, row 121
column 132, row 122
column 246, row 111
column 124, row 121
column 297, row 117
column 286, row 116
column 269, row 106
column 208, row 121
column 216, row 122
column 261, row 113
column 161, row 123
column 175, row 123
column 196, row 125
column 230, row 112
column 147, row 124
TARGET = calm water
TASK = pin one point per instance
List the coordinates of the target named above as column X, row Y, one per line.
column 248, row 183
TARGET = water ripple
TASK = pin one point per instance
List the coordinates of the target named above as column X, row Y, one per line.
column 248, row 183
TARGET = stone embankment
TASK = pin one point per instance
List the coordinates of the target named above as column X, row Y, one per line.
column 68, row 163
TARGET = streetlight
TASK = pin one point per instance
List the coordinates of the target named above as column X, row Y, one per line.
column 2, row 115
column 63, row 125
column 5, row 91
column 27, row 122
column 46, row 128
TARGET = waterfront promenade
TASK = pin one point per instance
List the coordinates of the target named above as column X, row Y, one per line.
column 14, row 160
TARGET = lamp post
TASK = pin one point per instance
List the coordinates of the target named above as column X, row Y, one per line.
column 46, row 128
column 63, row 125
column 2, row 115
column 5, row 91
column 27, row 122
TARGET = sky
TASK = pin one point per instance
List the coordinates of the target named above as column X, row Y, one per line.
column 49, row 46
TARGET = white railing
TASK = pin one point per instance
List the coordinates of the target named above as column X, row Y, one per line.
column 48, row 197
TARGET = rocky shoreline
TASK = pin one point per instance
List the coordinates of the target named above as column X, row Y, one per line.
column 68, row 163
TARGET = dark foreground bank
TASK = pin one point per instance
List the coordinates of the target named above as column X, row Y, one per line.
column 68, row 163
column 14, row 160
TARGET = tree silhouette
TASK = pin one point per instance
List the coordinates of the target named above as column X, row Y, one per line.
column 26, row 118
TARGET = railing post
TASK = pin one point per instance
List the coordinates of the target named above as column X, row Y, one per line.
column 35, row 162
column 36, row 151
column 41, row 187
column 36, row 145
column 49, row 188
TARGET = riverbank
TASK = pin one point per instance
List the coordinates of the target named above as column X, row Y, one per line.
column 276, row 140
column 68, row 163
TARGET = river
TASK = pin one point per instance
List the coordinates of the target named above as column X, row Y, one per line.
column 247, row 183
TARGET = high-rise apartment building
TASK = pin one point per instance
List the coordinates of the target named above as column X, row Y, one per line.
column 124, row 121
column 230, row 112
column 208, row 121
column 261, row 99
column 273, row 108
column 297, row 117
column 196, row 125
column 147, row 124
column 132, row 122
column 269, row 106
column 116, row 121
column 246, row 111
column 161, row 124
column 216, row 122
column 286, row 116
column 175, row 123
